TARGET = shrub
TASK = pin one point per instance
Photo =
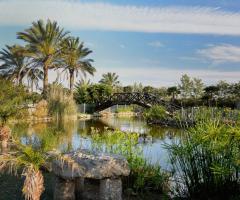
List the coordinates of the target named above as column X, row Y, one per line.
column 155, row 113
column 12, row 98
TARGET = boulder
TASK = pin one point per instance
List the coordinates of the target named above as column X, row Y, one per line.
column 88, row 164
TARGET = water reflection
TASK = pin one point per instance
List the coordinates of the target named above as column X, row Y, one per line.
column 77, row 134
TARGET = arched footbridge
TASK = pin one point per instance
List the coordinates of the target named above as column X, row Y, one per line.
column 146, row 100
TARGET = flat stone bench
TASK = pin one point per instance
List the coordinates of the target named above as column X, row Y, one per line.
column 76, row 166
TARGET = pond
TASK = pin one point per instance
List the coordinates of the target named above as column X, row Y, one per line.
column 77, row 134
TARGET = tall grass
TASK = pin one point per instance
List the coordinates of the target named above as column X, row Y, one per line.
column 61, row 103
column 205, row 161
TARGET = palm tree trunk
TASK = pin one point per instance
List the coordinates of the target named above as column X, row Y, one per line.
column 71, row 72
column 31, row 86
column 45, row 81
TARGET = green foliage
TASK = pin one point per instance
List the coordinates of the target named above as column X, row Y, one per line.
column 155, row 113
column 206, row 161
column 60, row 103
column 110, row 79
column 75, row 59
column 11, row 99
column 143, row 176
column 92, row 93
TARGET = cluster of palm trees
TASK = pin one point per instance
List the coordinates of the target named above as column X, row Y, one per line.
column 47, row 46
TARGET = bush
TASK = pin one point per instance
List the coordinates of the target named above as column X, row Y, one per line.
column 155, row 113
column 12, row 98
column 206, row 161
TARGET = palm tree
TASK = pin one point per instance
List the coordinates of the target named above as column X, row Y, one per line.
column 14, row 63
column 43, row 46
column 110, row 79
column 75, row 59
column 33, row 77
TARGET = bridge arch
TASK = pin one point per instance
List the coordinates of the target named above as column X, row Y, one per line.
column 146, row 100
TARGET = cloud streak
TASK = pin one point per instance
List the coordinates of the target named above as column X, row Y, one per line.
column 221, row 53
column 100, row 16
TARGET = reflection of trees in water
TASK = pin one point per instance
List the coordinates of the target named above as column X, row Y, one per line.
column 58, row 134
column 63, row 134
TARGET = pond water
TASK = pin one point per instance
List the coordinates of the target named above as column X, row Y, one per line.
column 76, row 134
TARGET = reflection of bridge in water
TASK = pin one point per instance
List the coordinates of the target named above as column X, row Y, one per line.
column 146, row 100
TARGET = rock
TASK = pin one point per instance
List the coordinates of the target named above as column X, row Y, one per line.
column 64, row 189
column 111, row 189
column 87, row 164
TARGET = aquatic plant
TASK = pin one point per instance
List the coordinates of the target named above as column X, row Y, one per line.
column 205, row 161
column 144, row 176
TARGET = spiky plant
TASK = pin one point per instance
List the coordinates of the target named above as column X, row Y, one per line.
column 29, row 160
column 43, row 45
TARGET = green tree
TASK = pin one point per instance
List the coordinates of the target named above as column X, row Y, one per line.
column 43, row 46
column 14, row 63
column 128, row 89
column 81, row 92
column 110, row 79
column 99, row 92
column 173, row 91
column 75, row 59
column 149, row 89
column 223, row 89
column 11, row 100
column 186, row 86
column 137, row 87
column 198, row 87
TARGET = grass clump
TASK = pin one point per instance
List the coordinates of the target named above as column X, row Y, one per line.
column 144, row 176
column 206, row 161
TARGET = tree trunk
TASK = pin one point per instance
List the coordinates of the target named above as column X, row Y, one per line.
column 45, row 81
column 71, row 72
column 31, row 86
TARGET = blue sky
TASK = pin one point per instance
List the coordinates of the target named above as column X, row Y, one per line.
column 148, row 41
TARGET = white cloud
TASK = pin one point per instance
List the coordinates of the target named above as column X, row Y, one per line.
column 156, row 44
column 100, row 16
column 221, row 53
column 166, row 77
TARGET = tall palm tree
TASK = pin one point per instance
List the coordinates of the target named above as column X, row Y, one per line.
column 33, row 77
column 110, row 79
column 43, row 46
column 75, row 59
column 14, row 63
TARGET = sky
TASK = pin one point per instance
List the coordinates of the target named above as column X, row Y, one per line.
column 150, row 41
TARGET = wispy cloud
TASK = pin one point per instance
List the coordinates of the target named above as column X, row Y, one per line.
column 221, row 53
column 156, row 44
column 100, row 16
